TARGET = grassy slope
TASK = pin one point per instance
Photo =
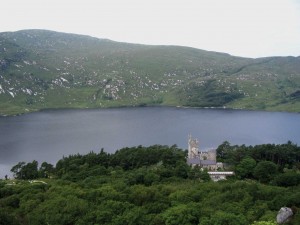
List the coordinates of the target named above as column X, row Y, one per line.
column 44, row 69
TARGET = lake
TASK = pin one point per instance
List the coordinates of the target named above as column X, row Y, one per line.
column 50, row 135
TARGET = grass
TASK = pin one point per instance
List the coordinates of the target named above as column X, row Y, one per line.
column 103, row 73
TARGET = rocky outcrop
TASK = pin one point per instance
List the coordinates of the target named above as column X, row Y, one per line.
column 284, row 215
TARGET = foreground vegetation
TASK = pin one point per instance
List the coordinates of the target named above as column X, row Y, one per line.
column 44, row 69
column 154, row 185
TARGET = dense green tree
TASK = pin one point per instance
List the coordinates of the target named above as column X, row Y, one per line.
column 182, row 170
column 264, row 223
column 199, row 174
column 194, row 172
column 282, row 155
column 46, row 170
column 61, row 209
column 160, row 190
column 150, row 178
column 26, row 171
column 17, row 170
column 133, row 216
column 245, row 168
column 187, row 214
column 223, row 150
column 30, row 170
column 7, row 218
column 265, row 171
column 288, row 179
column 224, row 218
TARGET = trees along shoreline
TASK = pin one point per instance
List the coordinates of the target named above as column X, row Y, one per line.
column 154, row 185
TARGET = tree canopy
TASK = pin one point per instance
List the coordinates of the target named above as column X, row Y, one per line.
column 151, row 185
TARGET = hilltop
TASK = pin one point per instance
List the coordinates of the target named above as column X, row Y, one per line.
column 42, row 69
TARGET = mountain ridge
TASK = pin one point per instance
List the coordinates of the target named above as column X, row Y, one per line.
column 42, row 69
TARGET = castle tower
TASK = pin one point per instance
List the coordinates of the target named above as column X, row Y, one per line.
column 212, row 155
column 193, row 148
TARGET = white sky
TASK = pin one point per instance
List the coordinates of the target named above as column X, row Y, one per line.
column 249, row 28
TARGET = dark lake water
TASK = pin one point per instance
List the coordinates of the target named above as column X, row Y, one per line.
column 49, row 135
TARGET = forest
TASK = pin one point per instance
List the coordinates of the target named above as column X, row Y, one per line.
column 154, row 185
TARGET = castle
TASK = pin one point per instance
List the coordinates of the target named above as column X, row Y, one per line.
column 204, row 159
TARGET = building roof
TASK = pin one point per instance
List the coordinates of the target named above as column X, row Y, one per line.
column 208, row 162
column 193, row 161
column 197, row 161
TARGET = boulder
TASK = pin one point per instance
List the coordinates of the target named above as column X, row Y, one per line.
column 284, row 215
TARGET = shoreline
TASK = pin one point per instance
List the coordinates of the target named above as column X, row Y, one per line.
column 142, row 106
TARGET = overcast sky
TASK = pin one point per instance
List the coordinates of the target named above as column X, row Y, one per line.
column 249, row 28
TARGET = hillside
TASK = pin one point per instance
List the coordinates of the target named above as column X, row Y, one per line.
column 44, row 69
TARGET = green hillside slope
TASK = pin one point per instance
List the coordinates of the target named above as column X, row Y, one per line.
column 44, row 69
